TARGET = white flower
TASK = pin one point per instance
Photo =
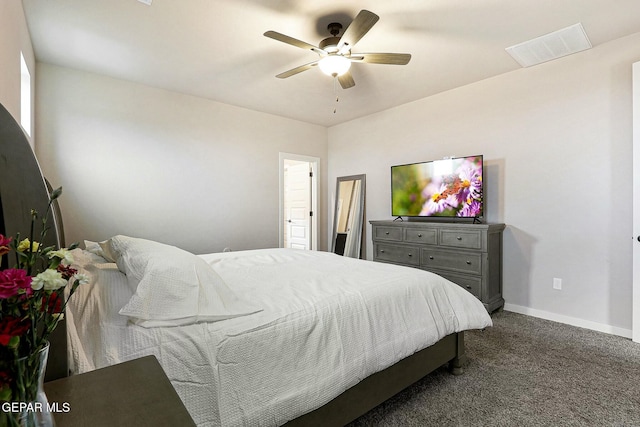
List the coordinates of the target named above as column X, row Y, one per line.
column 82, row 279
column 49, row 279
column 63, row 254
column 36, row 285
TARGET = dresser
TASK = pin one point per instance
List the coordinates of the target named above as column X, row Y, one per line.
column 469, row 255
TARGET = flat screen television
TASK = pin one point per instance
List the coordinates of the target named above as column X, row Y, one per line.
column 439, row 188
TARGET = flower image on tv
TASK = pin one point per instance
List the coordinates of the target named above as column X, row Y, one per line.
column 449, row 188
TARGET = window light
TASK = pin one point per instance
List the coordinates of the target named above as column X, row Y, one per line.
column 25, row 96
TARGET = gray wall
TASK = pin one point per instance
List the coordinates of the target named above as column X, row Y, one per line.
column 557, row 145
column 156, row 164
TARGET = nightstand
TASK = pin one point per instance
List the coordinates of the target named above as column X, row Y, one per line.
column 134, row 393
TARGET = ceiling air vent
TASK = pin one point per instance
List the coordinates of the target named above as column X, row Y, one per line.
column 550, row 46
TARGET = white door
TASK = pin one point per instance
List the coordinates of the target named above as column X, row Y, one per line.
column 307, row 217
column 297, row 202
column 636, row 202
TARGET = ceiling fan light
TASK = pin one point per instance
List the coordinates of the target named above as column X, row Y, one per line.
column 334, row 65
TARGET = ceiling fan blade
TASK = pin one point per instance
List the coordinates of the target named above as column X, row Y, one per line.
column 346, row 80
column 357, row 29
column 382, row 58
column 297, row 70
column 294, row 42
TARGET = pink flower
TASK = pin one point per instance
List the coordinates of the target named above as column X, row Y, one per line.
column 12, row 281
column 4, row 245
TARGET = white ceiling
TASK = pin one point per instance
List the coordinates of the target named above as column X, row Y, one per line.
column 216, row 49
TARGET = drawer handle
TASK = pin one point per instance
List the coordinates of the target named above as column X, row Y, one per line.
column 431, row 257
column 410, row 255
column 468, row 287
column 381, row 251
column 459, row 238
column 386, row 232
column 420, row 235
column 468, row 262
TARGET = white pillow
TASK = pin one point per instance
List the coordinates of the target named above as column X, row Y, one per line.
column 97, row 249
column 172, row 287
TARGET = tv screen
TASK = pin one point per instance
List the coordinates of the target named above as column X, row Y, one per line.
column 445, row 188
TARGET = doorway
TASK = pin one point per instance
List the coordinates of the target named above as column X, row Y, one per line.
column 298, row 222
column 635, row 325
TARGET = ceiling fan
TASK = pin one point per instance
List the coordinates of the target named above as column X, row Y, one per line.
column 335, row 52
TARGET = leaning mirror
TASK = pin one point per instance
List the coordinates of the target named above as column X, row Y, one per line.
column 348, row 220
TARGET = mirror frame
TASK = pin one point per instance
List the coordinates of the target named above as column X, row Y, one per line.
column 361, row 202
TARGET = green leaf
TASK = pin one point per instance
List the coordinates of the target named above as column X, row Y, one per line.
column 13, row 342
column 48, row 249
column 55, row 193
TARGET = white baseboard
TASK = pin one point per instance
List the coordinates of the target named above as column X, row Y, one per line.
column 600, row 327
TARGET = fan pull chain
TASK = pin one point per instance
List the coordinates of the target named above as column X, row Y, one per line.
column 335, row 90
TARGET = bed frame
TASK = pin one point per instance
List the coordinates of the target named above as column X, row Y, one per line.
column 377, row 388
column 23, row 187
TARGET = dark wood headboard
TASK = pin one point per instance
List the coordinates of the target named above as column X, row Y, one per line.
column 22, row 188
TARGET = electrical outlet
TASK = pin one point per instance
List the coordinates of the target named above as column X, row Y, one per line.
column 557, row 283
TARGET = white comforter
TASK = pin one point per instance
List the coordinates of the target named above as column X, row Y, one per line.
column 328, row 322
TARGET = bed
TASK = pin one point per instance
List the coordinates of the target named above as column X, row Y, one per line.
column 298, row 330
column 385, row 326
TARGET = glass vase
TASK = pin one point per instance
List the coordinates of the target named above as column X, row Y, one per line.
column 29, row 404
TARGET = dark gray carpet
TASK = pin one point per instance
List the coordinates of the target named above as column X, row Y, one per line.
column 526, row 371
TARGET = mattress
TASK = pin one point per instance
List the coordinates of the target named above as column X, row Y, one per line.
column 327, row 322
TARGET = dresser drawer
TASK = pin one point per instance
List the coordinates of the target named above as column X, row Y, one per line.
column 469, row 239
column 472, row 284
column 425, row 237
column 453, row 261
column 388, row 233
column 396, row 253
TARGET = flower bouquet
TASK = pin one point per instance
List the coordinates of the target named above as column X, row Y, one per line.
column 32, row 302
